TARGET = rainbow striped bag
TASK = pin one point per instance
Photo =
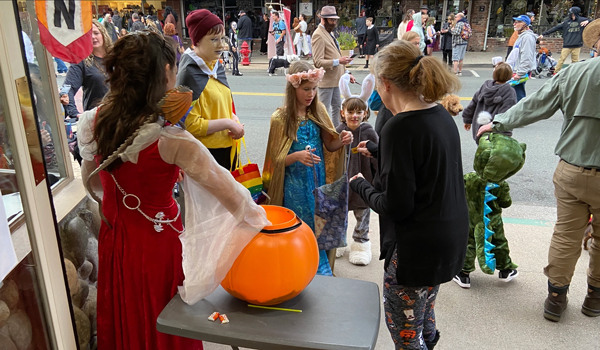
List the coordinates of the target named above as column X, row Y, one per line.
column 248, row 175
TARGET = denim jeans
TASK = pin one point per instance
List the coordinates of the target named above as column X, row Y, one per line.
column 520, row 90
column 61, row 67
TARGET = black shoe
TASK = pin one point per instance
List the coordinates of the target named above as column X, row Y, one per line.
column 433, row 343
column 463, row 280
column 366, row 66
column 556, row 302
column 508, row 275
column 238, row 74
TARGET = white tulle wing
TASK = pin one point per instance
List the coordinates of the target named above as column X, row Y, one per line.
column 220, row 216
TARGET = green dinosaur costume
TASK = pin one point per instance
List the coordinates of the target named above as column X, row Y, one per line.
column 498, row 157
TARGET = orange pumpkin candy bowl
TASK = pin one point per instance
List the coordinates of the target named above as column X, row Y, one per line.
column 277, row 264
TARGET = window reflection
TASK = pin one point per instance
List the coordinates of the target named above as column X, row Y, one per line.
column 39, row 76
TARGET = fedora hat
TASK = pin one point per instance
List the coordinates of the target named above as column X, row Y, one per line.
column 591, row 34
column 329, row 12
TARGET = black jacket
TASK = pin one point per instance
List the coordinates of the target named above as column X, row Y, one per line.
column 572, row 31
column 419, row 195
column 91, row 79
column 245, row 27
column 232, row 39
column 138, row 25
column 446, row 41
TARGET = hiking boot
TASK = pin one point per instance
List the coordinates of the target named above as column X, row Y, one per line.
column 463, row 280
column 591, row 304
column 433, row 343
column 508, row 275
column 556, row 302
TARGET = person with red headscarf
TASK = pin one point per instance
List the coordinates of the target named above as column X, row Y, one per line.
column 211, row 119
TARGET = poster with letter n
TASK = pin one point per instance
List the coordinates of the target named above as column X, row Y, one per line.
column 65, row 28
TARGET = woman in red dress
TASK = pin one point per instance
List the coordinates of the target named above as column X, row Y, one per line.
column 139, row 160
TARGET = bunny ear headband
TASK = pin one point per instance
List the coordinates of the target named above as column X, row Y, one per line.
column 367, row 87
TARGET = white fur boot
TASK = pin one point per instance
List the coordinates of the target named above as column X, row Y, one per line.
column 360, row 253
column 339, row 252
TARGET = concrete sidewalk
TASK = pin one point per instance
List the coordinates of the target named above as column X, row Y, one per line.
column 472, row 60
column 493, row 314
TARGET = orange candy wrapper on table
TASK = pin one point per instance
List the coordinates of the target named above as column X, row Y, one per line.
column 214, row 316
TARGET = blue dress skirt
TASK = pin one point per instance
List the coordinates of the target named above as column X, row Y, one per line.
column 299, row 183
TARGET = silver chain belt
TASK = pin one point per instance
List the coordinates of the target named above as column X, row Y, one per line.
column 158, row 220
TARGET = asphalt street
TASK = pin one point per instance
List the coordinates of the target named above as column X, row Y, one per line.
column 492, row 315
column 257, row 95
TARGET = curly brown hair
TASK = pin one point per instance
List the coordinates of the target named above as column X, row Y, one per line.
column 136, row 68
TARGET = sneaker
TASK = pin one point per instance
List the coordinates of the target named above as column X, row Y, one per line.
column 459, row 74
column 508, row 275
column 463, row 280
column 63, row 74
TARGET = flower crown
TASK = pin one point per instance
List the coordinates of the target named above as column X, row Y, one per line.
column 313, row 75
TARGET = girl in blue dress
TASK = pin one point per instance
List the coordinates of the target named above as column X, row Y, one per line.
column 301, row 135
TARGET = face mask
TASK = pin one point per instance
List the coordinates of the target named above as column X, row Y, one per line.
column 176, row 104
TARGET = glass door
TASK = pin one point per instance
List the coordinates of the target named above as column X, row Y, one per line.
column 35, row 310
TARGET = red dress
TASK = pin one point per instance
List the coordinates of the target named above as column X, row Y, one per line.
column 139, row 268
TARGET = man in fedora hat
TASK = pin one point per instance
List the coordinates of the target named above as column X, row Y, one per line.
column 327, row 54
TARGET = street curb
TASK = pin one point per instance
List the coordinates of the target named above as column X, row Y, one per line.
column 257, row 67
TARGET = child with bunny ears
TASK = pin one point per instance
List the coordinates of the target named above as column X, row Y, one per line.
column 354, row 116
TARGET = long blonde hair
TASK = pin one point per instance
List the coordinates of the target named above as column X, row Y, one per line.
column 290, row 101
column 404, row 65
column 107, row 45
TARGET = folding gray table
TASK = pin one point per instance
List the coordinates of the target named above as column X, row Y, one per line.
column 337, row 314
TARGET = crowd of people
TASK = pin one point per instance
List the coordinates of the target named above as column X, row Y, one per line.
column 141, row 130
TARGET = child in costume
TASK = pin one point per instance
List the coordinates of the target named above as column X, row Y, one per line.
column 498, row 157
column 211, row 119
column 302, row 132
column 494, row 96
column 146, row 256
column 354, row 116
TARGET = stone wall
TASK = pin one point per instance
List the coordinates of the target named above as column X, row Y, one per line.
column 79, row 242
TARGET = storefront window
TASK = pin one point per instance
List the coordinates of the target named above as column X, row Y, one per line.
column 36, row 62
column 9, row 188
column 22, row 323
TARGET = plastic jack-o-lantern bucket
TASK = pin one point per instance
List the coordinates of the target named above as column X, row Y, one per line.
column 277, row 264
